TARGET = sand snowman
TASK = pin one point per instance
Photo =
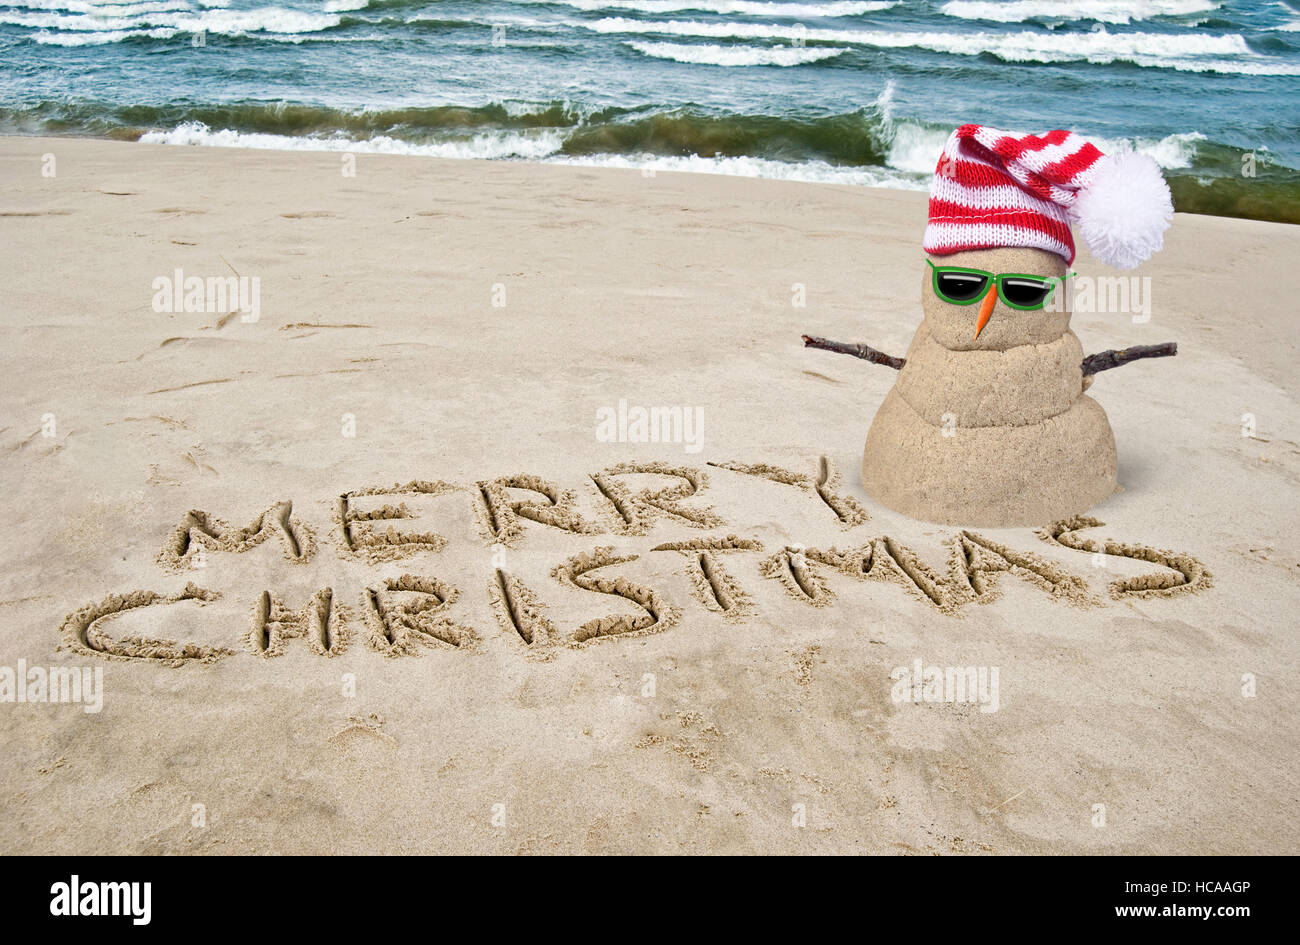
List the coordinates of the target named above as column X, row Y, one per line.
column 988, row 423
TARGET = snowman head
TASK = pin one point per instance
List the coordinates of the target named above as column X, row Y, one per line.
column 995, row 299
column 1001, row 206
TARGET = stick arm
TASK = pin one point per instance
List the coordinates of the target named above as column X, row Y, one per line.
column 865, row 352
column 1092, row 364
column 1113, row 358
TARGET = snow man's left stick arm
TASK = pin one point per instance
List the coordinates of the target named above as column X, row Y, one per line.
column 1113, row 358
column 866, row 352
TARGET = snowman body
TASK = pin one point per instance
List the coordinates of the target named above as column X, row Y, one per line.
column 991, row 428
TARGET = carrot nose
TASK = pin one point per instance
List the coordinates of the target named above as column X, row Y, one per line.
column 986, row 309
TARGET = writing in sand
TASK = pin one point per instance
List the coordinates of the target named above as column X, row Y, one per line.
column 399, row 615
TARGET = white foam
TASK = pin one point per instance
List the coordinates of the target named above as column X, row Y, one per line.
column 911, row 160
column 1104, row 11
column 831, row 8
column 113, row 9
column 530, row 146
column 117, row 8
column 915, row 147
column 542, row 146
column 1172, row 152
column 1223, row 66
column 146, row 20
column 1184, row 51
column 299, row 38
column 97, row 39
column 711, row 55
column 517, row 108
column 885, row 100
column 816, row 172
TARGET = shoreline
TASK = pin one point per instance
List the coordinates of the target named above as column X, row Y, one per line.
column 1264, row 201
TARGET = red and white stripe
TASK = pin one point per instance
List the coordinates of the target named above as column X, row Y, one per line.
column 992, row 189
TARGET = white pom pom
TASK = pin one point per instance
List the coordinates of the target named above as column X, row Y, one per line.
column 1124, row 212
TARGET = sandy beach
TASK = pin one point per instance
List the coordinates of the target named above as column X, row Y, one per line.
column 377, row 564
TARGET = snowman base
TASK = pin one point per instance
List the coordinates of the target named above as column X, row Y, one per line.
column 990, row 477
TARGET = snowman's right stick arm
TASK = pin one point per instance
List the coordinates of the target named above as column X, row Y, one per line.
column 865, row 352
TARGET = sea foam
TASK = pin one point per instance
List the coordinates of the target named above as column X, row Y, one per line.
column 713, row 55
column 1183, row 51
column 1102, row 11
column 832, row 8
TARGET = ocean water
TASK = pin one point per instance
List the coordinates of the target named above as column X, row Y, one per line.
column 850, row 91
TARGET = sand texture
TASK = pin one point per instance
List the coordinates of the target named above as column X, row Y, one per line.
column 1025, row 384
column 363, row 574
column 989, row 475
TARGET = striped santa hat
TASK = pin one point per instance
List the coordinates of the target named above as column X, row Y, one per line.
column 995, row 189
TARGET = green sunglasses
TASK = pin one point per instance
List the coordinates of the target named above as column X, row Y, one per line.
column 1017, row 290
